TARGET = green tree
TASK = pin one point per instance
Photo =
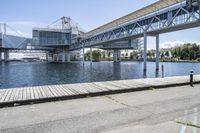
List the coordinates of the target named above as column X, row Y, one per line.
column 96, row 55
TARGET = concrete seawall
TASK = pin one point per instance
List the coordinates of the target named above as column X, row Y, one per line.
column 39, row 94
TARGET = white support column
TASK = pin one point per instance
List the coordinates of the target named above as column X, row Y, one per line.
column 83, row 54
column 90, row 54
column 68, row 57
column 63, row 57
column 57, row 57
column 119, row 55
column 115, row 55
column 157, row 52
column 6, row 55
column 0, row 56
column 47, row 57
column 145, row 52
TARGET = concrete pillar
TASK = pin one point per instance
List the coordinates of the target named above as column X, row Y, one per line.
column 0, row 56
column 117, row 56
column 145, row 52
column 47, row 57
column 63, row 57
column 68, row 57
column 83, row 54
column 157, row 52
column 54, row 57
column 57, row 59
column 90, row 54
column 6, row 55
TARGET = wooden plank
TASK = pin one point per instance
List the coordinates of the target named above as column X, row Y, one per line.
column 52, row 91
column 72, row 90
column 99, row 87
column 32, row 93
column 38, row 92
column 3, row 92
column 67, row 90
column 4, row 96
column 90, row 88
column 47, row 91
column 8, row 95
column 42, row 92
column 62, row 90
column 80, row 88
column 12, row 95
column 24, row 93
column 61, row 93
column 28, row 93
column 20, row 95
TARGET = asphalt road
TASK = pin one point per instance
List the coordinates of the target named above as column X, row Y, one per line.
column 154, row 111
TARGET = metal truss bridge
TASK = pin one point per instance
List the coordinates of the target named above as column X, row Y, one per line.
column 160, row 17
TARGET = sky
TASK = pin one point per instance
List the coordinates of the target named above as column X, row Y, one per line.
column 23, row 15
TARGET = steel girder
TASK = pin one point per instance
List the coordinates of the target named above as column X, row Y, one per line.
column 175, row 18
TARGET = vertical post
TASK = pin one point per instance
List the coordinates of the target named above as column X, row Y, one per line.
column 68, row 57
column 191, row 78
column 163, row 71
column 115, row 54
column 63, row 57
column 0, row 56
column 83, row 54
column 91, row 55
column 58, row 57
column 119, row 55
column 157, row 53
column 47, row 56
column 6, row 55
column 145, row 52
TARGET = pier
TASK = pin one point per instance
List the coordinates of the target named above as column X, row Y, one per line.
column 39, row 94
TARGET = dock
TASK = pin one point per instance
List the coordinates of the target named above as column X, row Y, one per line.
column 39, row 94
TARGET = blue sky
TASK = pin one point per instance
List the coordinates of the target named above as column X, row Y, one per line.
column 25, row 14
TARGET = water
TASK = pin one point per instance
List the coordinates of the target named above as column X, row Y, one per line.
column 23, row 74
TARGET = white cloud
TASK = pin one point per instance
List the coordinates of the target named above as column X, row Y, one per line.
column 169, row 44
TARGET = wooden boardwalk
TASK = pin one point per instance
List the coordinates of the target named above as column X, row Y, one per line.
column 26, row 95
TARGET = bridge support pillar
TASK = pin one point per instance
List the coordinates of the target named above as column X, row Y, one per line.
column 117, row 56
column 6, row 55
column 68, row 57
column 145, row 53
column 0, row 55
column 54, row 57
column 63, row 57
column 83, row 55
column 157, row 53
column 91, row 55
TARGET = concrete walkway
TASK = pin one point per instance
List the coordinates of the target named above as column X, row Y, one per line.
column 151, row 111
column 38, row 94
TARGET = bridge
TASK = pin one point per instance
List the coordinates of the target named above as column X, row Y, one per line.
column 160, row 17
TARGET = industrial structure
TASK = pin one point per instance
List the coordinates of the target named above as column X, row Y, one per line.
column 124, row 33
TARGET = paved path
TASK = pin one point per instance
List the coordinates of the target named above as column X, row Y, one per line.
column 150, row 111
column 9, row 97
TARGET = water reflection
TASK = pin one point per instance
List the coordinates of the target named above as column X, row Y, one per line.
column 20, row 74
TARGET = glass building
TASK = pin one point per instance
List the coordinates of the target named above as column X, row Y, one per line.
column 51, row 37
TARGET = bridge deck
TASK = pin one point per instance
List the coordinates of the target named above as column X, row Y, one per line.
column 26, row 95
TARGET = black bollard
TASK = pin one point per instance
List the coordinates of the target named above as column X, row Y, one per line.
column 162, row 68
column 191, row 78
